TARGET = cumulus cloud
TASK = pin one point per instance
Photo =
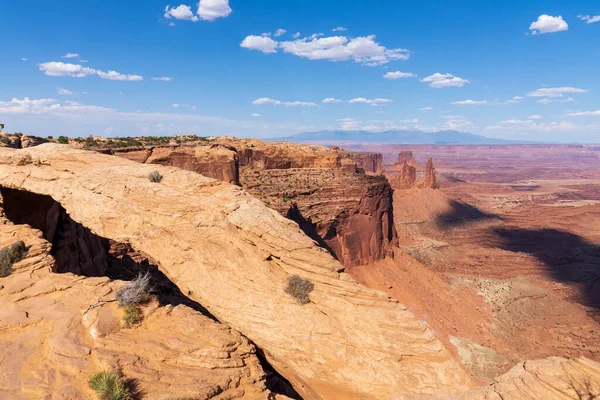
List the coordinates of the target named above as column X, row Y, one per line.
column 256, row 115
column 181, row 12
column 373, row 102
column 470, row 103
column 555, row 92
column 588, row 19
column 535, row 116
column 24, row 59
column 267, row 100
column 55, row 68
column 163, row 78
column 296, row 35
column 65, row 92
column 438, row 81
column 331, row 100
column 280, row 32
column 397, row 75
column 209, row 10
column 70, row 55
column 548, row 24
column 585, row 114
column 339, row 29
column 363, row 50
column 426, row 109
column 260, row 43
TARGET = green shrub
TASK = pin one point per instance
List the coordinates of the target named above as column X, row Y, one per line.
column 155, row 177
column 11, row 255
column 110, row 386
column 132, row 317
column 62, row 140
column 299, row 289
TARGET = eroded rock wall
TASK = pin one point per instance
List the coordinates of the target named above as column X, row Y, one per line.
column 233, row 255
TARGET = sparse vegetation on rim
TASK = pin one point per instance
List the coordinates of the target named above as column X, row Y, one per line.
column 11, row 255
column 155, row 177
column 110, row 385
column 299, row 288
column 132, row 316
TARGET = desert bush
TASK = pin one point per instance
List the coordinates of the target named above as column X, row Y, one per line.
column 155, row 177
column 132, row 317
column 62, row 140
column 135, row 292
column 11, row 255
column 110, row 386
column 299, row 289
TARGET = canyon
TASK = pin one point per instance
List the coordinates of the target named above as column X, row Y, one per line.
column 456, row 281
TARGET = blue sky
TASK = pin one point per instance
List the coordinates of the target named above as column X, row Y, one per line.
column 501, row 69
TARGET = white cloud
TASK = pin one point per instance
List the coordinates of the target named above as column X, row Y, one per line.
column 266, row 100
column 65, row 92
column 409, row 121
column 373, row 102
column 24, row 59
column 280, row 32
column 339, row 29
column 163, row 78
column 331, row 100
column 175, row 105
column 44, row 106
column 70, row 55
column 535, row 116
column 181, row 12
column 82, row 61
column 256, row 115
column 585, row 114
column 548, row 24
column 588, row 19
column 296, row 35
column 55, row 68
column 210, row 10
column 438, row 81
column 334, row 48
column 349, row 124
column 470, row 103
column 555, row 92
column 531, row 126
column 260, row 43
column 548, row 101
column 454, row 122
column 397, row 75
column 426, row 109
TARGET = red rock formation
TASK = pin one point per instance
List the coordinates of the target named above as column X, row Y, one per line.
column 406, row 178
column 215, row 161
column 429, row 181
column 370, row 162
column 406, row 157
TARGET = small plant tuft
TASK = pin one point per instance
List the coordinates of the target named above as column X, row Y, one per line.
column 132, row 317
column 135, row 292
column 110, row 386
column 299, row 288
column 11, row 255
column 155, row 177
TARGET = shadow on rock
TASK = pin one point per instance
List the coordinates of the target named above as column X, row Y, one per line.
column 462, row 213
column 568, row 257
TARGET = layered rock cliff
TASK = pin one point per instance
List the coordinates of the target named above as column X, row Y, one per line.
column 20, row 141
column 233, row 255
column 215, row 161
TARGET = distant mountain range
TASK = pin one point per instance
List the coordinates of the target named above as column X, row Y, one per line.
column 395, row 137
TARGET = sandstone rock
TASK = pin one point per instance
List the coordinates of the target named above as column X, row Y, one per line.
column 20, row 141
column 215, row 161
column 406, row 178
column 233, row 255
column 50, row 348
column 370, row 162
column 429, row 181
column 408, row 158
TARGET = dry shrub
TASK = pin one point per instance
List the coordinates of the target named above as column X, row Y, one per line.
column 132, row 317
column 110, row 385
column 11, row 255
column 155, row 177
column 135, row 292
column 299, row 289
